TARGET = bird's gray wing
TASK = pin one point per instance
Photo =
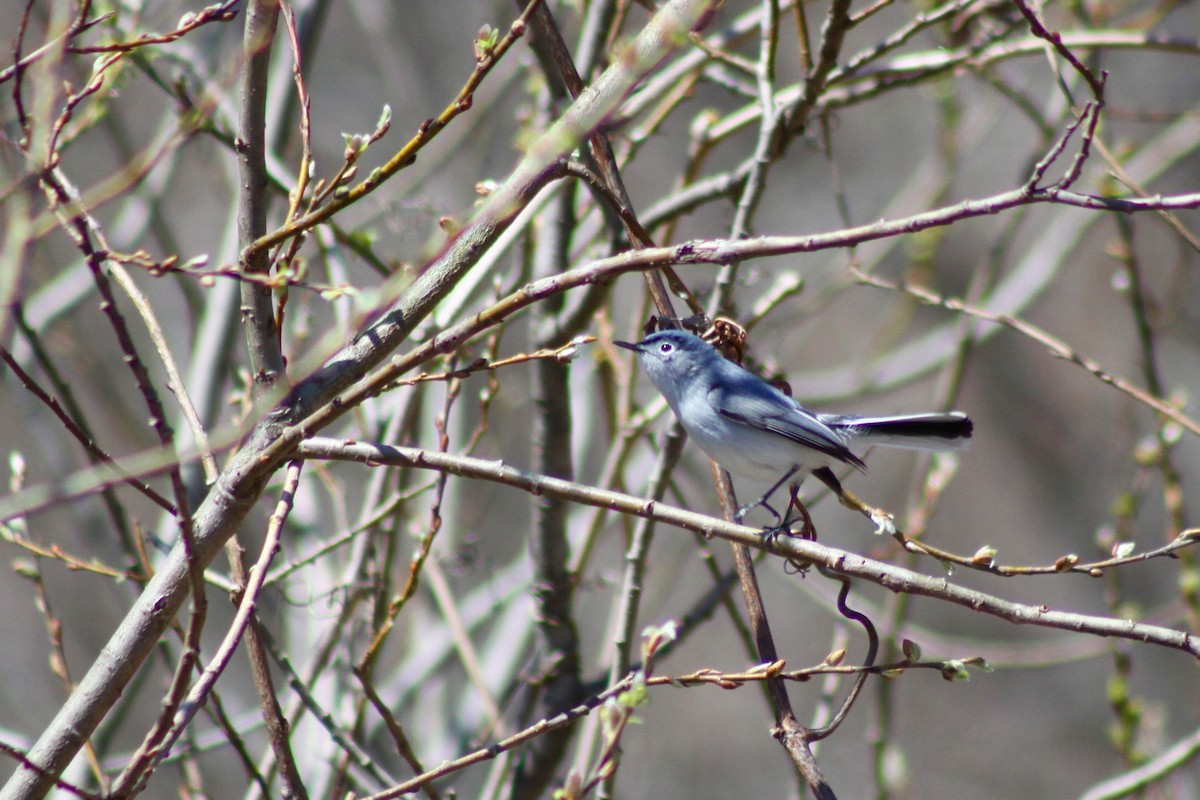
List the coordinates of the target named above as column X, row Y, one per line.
column 783, row 416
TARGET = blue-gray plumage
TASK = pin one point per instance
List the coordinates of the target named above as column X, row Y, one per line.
column 752, row 429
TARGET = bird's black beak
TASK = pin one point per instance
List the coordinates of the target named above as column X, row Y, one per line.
column 637, row 348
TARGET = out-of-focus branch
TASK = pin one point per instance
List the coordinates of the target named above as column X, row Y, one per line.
column 77, row 429
column 1146, row 775
column 1057, row 347
column 427, row 131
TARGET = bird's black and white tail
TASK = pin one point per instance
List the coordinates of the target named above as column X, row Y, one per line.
column 917, row 431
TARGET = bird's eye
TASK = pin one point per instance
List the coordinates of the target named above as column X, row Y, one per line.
column 666, row 348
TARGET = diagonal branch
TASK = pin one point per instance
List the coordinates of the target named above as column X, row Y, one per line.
column 237, row 490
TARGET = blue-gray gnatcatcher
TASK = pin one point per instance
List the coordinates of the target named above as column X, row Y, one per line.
column 752, row 429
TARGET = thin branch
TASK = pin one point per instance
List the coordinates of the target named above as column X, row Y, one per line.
column 355, row 754
column 249, row 584
column 1140, row 778
column 82, row 436
column 559, row 721
column 850, row 564
column 257, row 313
column 1057, row 347
column 407, row 154
column 134, row 779
column 1055, row 39
column 697, row 252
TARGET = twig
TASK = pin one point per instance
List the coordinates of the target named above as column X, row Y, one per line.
column 53, row 552
column 23, row 760
column 83, row 437
column 1057, row 347
column 220, row 12
column 1055, row 40
column 399, row 737
column 1136, row 780
column 135, row 776
column 868, row 664
column 503, row 746
column 249, row 584
column 405, row 156
column 712, row 251
column 356, row 755
column 78, row 25
column 32, row 572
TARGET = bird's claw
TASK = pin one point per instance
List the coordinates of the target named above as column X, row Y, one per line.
column 773, row 532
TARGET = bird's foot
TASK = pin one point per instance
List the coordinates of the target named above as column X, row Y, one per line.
column 806, row 530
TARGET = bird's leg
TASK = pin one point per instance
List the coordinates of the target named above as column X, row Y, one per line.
column 807, row 529
column 762, row 501
column 884, row 522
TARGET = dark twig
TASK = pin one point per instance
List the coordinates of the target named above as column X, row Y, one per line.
column 82, row 436
column 23, row 761
column 1055, row 40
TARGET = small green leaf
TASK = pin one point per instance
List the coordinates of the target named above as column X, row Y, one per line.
column 485, row 42
column 955, row 670
column 984, row 556
column 384, row 123
column 636, row 695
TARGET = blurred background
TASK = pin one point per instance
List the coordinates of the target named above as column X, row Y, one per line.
column 926, row 107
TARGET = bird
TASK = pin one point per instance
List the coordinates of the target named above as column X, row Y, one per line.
column 754, row 430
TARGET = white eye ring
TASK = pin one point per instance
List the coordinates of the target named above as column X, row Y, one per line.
column 665, row 348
